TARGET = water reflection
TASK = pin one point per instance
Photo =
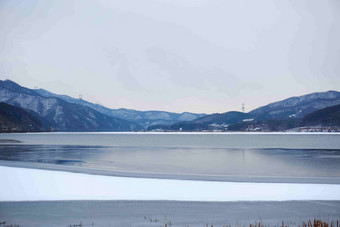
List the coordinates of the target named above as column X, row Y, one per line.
column 183, row 160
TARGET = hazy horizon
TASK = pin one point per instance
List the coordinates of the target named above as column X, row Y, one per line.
column 202, row 56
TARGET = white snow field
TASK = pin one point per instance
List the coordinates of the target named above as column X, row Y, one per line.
column 22, row 184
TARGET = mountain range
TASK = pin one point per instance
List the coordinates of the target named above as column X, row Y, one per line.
column 143, row 118
column 63, row 113
column 286, row 113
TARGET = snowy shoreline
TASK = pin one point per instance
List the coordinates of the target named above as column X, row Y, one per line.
column 22, row 184
column 183, row 133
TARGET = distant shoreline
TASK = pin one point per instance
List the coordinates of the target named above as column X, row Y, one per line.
column 175, row 132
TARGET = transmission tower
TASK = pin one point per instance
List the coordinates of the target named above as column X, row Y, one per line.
column 243, row 107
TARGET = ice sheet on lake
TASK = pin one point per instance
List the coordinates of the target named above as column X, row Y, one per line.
column 21, row 184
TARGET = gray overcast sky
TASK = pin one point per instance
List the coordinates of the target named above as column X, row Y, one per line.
column 174, row 55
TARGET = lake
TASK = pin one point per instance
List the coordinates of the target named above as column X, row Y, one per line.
column 260, row 157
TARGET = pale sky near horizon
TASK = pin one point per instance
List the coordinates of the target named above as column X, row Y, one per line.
column 201, row 56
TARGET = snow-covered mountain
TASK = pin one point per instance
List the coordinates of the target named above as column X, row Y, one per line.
column 61, row 115
column 297, row 107
column 65, row 113
column 144, row 118
column 294, row 108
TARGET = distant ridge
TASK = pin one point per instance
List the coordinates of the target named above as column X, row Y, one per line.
column 61, row 115
column 297, row 107
column 276, row 116
column 144, row 118
column 64, row 113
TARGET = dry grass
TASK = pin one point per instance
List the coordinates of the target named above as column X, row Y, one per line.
column 309, row 223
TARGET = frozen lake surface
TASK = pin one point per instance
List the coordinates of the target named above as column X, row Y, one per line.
column 264, row 157
column 272, row 167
